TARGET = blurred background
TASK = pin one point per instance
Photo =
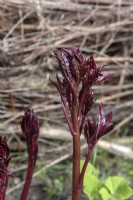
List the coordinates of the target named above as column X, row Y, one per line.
column 30, row 32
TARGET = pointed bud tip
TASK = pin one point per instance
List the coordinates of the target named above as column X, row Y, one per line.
column 29, row 123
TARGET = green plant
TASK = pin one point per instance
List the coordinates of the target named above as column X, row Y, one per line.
column 55, row 180
column 54, row 187
column 113, row 188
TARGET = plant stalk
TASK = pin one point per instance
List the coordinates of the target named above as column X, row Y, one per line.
column 28, row 180
column 3, row 187
column 76, row 191
column 87, row 160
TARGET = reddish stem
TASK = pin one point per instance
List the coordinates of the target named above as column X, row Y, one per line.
column 81, row 104
column 2, row 196
column 87, row 160
column 3, row 190
column 28, row 179
column 76, row 191
column 67, row 119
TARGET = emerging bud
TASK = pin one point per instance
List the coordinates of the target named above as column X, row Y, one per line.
column 30, row 129
column 94, row 131
column 79, row 75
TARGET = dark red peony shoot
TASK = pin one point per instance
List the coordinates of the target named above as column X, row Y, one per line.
column 79, row 74
column 94, row 131
column 30, row 130
column 4, row 172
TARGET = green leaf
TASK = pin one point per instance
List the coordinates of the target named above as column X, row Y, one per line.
column 91, row 186
column 91, row 183
column 118, row 188
column 113, row 183
column 90, row 168
column 104, row 193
